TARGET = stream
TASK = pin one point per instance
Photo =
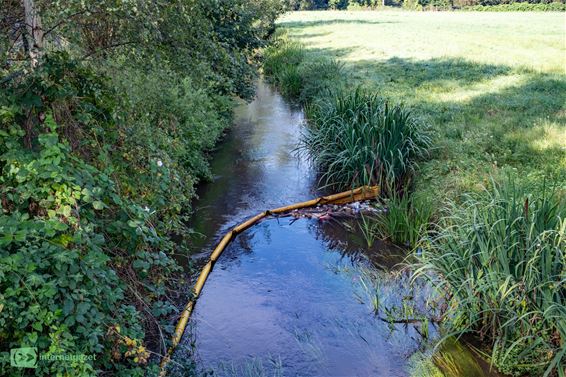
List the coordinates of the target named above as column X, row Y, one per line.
column 291, row 298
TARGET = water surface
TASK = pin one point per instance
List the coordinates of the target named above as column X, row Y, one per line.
column 287, row 297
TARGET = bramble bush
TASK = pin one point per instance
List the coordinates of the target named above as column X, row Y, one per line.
column 68, row 236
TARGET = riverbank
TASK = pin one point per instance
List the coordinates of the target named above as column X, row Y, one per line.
column 297, row 295
column 496, row 107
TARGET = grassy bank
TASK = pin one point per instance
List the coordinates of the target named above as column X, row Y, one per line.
column 491, row 85
column 492, row 88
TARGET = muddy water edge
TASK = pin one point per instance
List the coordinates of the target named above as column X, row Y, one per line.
column 297, row 297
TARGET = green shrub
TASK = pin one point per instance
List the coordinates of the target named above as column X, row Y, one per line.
column 170, row 122
column 83, row 265
column 502, row 257
column 92, row 186
column 412, row 5
column 356, row 138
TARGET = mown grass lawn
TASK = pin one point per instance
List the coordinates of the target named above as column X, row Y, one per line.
column 492, row 85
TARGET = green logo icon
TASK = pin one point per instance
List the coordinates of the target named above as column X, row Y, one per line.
column 24, row 357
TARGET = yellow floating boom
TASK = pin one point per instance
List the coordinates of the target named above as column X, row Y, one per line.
column 361, row 193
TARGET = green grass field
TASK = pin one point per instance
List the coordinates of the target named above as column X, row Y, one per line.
column 492, row 85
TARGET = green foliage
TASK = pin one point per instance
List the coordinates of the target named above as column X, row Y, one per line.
column 308, row 4
column 166, row 124
column 214, row 41
column 501, row 255
column 338, row 4
column 75, row 251
column 366, row 4
column 519, row 7
column 357, row 138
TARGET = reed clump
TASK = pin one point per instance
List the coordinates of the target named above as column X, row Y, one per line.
column 502, row 258
column 357, row 138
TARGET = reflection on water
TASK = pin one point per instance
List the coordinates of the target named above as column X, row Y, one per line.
column 288, row 298
column 280, row 291
column 255, row 168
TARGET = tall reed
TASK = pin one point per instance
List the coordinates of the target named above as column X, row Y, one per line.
column 406, row 220
column 358, row 138
column 502, row 257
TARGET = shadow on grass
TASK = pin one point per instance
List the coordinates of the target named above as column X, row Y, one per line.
column 490, row 114
column 336, row 21
column 310, row 35
column 419, row 72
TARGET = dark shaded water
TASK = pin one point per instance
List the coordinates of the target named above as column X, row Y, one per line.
column 286, row 298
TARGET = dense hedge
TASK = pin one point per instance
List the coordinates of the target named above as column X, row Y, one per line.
column 102, row 139
column 473, row 5
column 519, row 7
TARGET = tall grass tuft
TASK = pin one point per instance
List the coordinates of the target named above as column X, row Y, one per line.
column 298, row 77
column 358, row 138
column 320, row 76
column 407, row 219
column 502, row 257
column 281, row 64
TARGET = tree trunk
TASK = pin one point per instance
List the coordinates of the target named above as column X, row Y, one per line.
column 34, row 32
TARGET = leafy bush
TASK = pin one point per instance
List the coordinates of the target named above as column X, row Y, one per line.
column 167, row 124
column 74, row 251
column 502, row 257
column 358, row 138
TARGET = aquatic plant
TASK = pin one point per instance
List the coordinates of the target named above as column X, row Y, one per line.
column 406, row 220
column 357, row 138
column 502, row 257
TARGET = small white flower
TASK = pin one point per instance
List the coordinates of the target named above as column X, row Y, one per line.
column 146, row 208
column 159, row 163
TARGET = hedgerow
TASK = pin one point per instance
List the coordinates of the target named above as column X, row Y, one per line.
column 106, row 119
